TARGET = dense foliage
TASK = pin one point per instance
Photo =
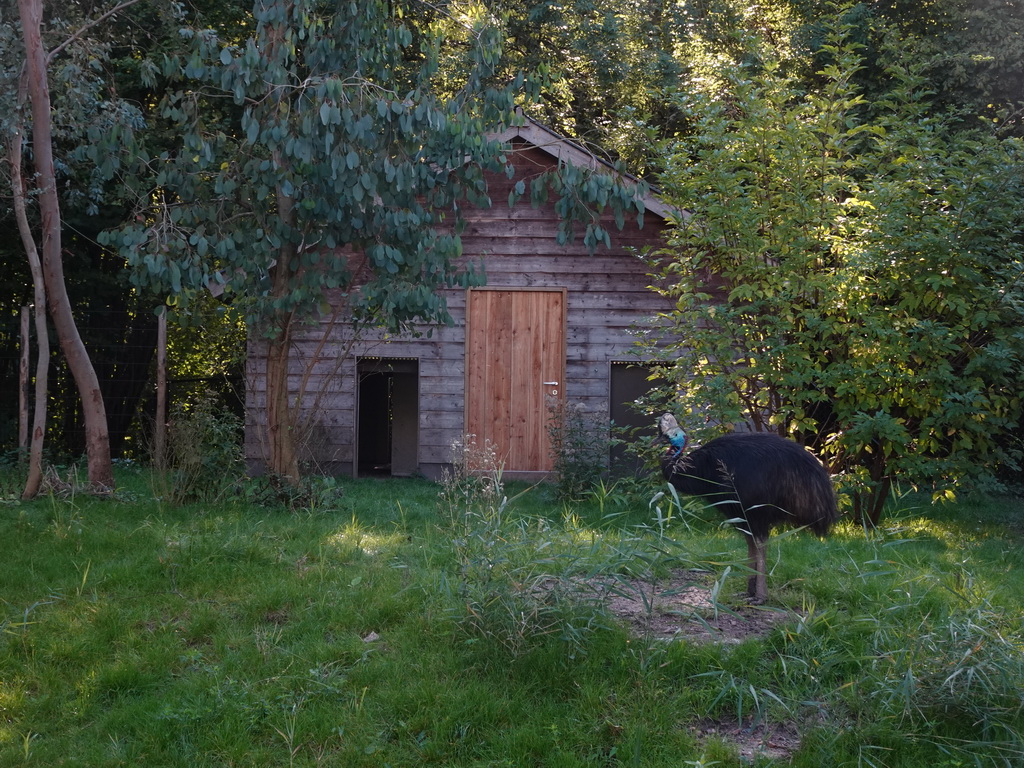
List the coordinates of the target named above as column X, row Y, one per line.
column 98, row 95
column 328, row 141
column 850, row 274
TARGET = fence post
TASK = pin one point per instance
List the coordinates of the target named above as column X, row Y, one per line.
column 23, row 383
column 160, row 431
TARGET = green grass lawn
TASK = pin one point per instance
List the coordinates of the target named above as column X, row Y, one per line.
column 384, row 628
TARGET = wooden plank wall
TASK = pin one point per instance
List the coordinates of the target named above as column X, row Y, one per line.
column 607, row 293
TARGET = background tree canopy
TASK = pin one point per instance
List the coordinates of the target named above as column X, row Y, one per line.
column 861, row 217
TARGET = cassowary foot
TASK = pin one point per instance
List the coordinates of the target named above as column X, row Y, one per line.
column 753, row 598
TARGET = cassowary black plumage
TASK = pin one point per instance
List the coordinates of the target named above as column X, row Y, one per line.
column 761, row 480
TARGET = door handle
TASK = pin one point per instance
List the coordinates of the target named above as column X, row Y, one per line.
column 550, row 383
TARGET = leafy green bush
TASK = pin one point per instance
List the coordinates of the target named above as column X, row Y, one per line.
column 313, row 493
column 204, row 452
column 850, row 275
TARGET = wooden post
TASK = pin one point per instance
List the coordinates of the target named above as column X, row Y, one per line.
column 23, row 383
column 160, row 430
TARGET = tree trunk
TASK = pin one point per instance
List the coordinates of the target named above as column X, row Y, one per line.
column 283, row 456
column 284, row 460
column 35, row 457
column 869, row 501
column 97, row 440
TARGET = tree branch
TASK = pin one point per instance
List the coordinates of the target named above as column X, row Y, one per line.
column 86, row 27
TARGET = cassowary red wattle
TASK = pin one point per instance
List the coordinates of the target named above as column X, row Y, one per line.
column 759, row 478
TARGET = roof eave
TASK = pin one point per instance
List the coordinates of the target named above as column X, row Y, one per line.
column 566, row 150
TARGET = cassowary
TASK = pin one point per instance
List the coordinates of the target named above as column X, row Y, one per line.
column 759, row 479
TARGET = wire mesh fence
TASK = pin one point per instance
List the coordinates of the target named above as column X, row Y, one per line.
column 123, row 350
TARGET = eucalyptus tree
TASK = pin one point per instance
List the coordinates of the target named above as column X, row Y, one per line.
column 85, row 48
column 48, row 267
column 325, row 158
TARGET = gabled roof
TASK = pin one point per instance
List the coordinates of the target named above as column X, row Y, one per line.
column 563, row 149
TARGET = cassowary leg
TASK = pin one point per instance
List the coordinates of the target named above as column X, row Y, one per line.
column 757, row 584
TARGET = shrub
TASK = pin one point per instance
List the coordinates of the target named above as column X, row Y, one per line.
column 850, row 275
column 204, row 451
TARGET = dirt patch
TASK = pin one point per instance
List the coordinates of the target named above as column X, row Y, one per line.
column 685, row 606
column 777, row 742
column 277, row 617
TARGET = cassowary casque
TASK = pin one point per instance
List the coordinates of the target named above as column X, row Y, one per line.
column 759, row 479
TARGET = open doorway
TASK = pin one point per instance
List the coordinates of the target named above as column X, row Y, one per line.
column 387, row 417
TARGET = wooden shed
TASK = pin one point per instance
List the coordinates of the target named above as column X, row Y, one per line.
column 552, row 322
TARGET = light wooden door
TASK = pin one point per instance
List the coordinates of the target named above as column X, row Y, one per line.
column 515, row 362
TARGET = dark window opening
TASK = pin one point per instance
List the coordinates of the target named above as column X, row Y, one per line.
column 629, row 382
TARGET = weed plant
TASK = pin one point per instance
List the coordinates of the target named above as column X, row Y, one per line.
column 512, row 583
column 133, row 632
column 580, row 442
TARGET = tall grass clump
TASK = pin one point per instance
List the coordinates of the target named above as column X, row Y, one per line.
column 511, row 577
column 910, row 656
column 953, row 680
